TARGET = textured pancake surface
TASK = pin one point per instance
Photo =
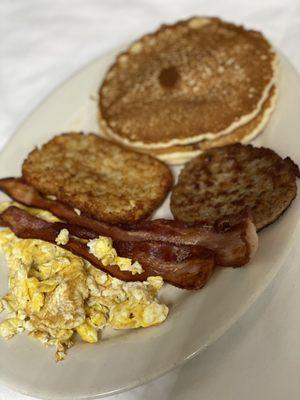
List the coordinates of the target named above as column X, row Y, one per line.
column 231, row 179
column 189, row 81
column 182, row 153
column 98, row 177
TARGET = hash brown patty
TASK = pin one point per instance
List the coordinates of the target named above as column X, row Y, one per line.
column 100, row 178
column 230, row 179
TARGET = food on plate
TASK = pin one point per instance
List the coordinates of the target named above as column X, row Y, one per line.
column 81, row 254
column 195, row 80
column 180, row 154
column 227, row 180
column 54, row 294
column 98, row 177
column 232, row 239
column 187, row 267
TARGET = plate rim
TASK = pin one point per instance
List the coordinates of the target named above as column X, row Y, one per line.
column 212, row 338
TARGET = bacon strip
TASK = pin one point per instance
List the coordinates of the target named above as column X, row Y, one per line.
column 186, row 262
column 187, row 267
column 193, row 264
column 233, row 240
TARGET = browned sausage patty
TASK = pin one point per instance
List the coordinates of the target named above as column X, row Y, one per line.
column 227, row 180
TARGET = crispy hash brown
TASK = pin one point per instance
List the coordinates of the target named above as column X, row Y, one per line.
column 227, row 180
column 98, row 177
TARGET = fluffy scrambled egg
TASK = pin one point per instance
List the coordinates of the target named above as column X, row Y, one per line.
column 54, row 294
column 102, row 248
column 62, row 237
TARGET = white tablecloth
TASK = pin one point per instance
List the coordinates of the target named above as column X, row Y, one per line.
column 44, row 42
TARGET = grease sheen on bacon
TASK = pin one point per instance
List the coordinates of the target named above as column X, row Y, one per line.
column 233, row 240
column 187, row 267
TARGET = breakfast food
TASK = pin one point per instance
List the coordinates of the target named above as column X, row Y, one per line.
column 227, row 180
column 54, row 294
column 82, row 254
column 98, row 177
column 233, row 240
column 195, row 80
column 180, row 154
column 185, row 266
column 55, row 291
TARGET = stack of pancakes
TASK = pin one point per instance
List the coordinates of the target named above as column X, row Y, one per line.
column 188, row 87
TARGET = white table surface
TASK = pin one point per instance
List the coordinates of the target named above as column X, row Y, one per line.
column 44, row 42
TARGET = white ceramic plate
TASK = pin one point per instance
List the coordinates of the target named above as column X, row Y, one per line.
column 127, row 359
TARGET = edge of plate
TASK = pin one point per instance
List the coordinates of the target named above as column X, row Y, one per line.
column 231, row 322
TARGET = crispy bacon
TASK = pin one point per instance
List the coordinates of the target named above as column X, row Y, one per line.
column 233, row 240
column 187, row 267
column 167, row 260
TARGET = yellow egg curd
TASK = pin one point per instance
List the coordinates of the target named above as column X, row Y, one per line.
column 54, row 295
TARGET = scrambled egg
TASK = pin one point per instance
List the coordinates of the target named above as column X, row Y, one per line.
column 102, row 248
column 62, row 237
column 54, row 294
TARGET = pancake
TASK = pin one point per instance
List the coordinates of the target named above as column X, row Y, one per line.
column 194, row 80
column 231, row 179
column 180, row 154
column 98, row 177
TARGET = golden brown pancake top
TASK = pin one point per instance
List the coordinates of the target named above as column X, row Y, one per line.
column 186, row 80
column 237, row 135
